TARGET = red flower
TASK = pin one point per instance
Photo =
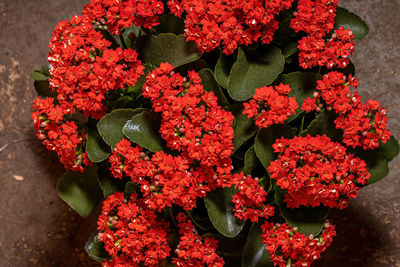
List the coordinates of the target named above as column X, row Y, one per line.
column 228, row 24
column 84, row 69
column 363, row 125
column 192, row 121
column 285, row 244
column 60, row 134
column 316, row 171
column 250, row 198
column 270, row 105
column 116, row 15
column 192, row 250
column 132, row 234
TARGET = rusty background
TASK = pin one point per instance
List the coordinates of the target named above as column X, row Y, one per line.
column 38, row 229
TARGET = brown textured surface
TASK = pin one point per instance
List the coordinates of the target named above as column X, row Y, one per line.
column 38, row 229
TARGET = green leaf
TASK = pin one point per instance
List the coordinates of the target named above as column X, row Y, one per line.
column 123, row 102
column 211, row 85
column 107, row 182
column 350, row 69
column 199, row 216
column 244, row 130
column 302, row 85
column 250, row 161
column 80, row 190
column 143, row 129
column 254, row 252
column 138, row 87
column 97, row 150
column 42, row 89
column 254, row 70
column 221, row 71
column 197, row 65
column 110, row 185
column 308, row 220
column 391, row 149
column 266, row 137
column 376, row 163
column 220, row 211
column 95, row 249
column 130, row 188
column 168, row 47
column 351, row 21
column 38, row 76
column 110, row 126
column 171, row 24
column 324, row 124
column 289, row 49
column 130, row 43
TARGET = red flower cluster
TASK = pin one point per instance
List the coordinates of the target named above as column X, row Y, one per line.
column 316, row 171
column 229, row 23
column 192, row 250
column 192, row 122
column 132, row 234
column 113, row 15
column 83, row 68
column 335, row 52
column 317, row 19
column 363, row 124
column 250, row 198
column 59, row 134
column 334, row 91
column 164, row 180
column 270, row 105
column 286, row 244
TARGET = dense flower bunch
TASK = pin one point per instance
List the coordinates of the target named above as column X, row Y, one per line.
column 288, row 246
column 227, row 23
column 84, row 67
column 192, row 250
column 249, row 199
column 317, row 19
column 192, row 121
column 132, row 234
column 316, row 171
column 114, row 15
column 270, row 105
column 60, row 134
column 164, row 179
column 363, row 124
column 158, row 98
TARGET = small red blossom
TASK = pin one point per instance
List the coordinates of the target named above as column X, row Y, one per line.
column 192, row 122
column 317, row 19
column 335, row 52
column 363, row 124
column 84, row 68
column 132, row 234
column 60, row 134
column 227, row 23
column 270, row 105
column 249, row 199
column 192, row 250
column 164, row 180
column 316, row 171
column 285, row 244
column 117, row 15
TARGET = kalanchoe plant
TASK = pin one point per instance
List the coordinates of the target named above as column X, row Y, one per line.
column 215, row 132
